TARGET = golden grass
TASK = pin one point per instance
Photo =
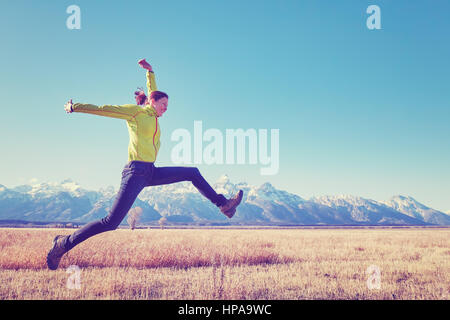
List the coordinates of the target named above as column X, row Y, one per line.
column 230, row 264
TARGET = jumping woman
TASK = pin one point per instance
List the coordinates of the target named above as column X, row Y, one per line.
column 140, row 171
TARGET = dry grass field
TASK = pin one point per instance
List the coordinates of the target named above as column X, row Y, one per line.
column 273, row 264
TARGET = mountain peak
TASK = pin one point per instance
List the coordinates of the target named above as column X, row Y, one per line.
column 406, row 202
column 267, row 186
column 413, row 208
column 403, row 198
column 70, row 184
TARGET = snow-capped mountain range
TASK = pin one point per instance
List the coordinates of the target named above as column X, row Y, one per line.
column 182, row 203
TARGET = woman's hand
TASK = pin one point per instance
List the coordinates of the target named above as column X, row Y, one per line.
column 68, row 106
column 144, row 64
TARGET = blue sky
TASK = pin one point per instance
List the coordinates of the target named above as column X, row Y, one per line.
column 362, row 112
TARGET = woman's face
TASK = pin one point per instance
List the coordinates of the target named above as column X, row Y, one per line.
column 160, row 105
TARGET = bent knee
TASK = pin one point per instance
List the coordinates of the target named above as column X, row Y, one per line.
column 195, row 172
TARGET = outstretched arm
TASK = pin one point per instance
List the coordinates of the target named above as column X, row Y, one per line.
column 151, row 81
column 126, row 112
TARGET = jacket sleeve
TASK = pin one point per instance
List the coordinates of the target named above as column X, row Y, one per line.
column 151, row 83
column 126, row 111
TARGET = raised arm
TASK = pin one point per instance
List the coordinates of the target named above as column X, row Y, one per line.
column 126, row 111
column 151, row 81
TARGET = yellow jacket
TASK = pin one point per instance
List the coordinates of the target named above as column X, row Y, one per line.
column 142, row 123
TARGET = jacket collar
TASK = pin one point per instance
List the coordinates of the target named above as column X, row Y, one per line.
column 150, row 110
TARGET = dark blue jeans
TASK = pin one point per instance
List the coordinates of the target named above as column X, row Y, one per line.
column 137, row 175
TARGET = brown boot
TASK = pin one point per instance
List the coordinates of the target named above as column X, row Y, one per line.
column 229, row 208
column 56, row 252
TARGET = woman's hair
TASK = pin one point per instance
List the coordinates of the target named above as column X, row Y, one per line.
column 156, row 95
column 141, row 97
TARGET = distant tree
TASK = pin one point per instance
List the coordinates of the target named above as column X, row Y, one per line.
column 134, row 215
column 162, row 222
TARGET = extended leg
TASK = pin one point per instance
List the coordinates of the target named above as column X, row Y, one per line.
column 168, row 175
column 129, row 190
